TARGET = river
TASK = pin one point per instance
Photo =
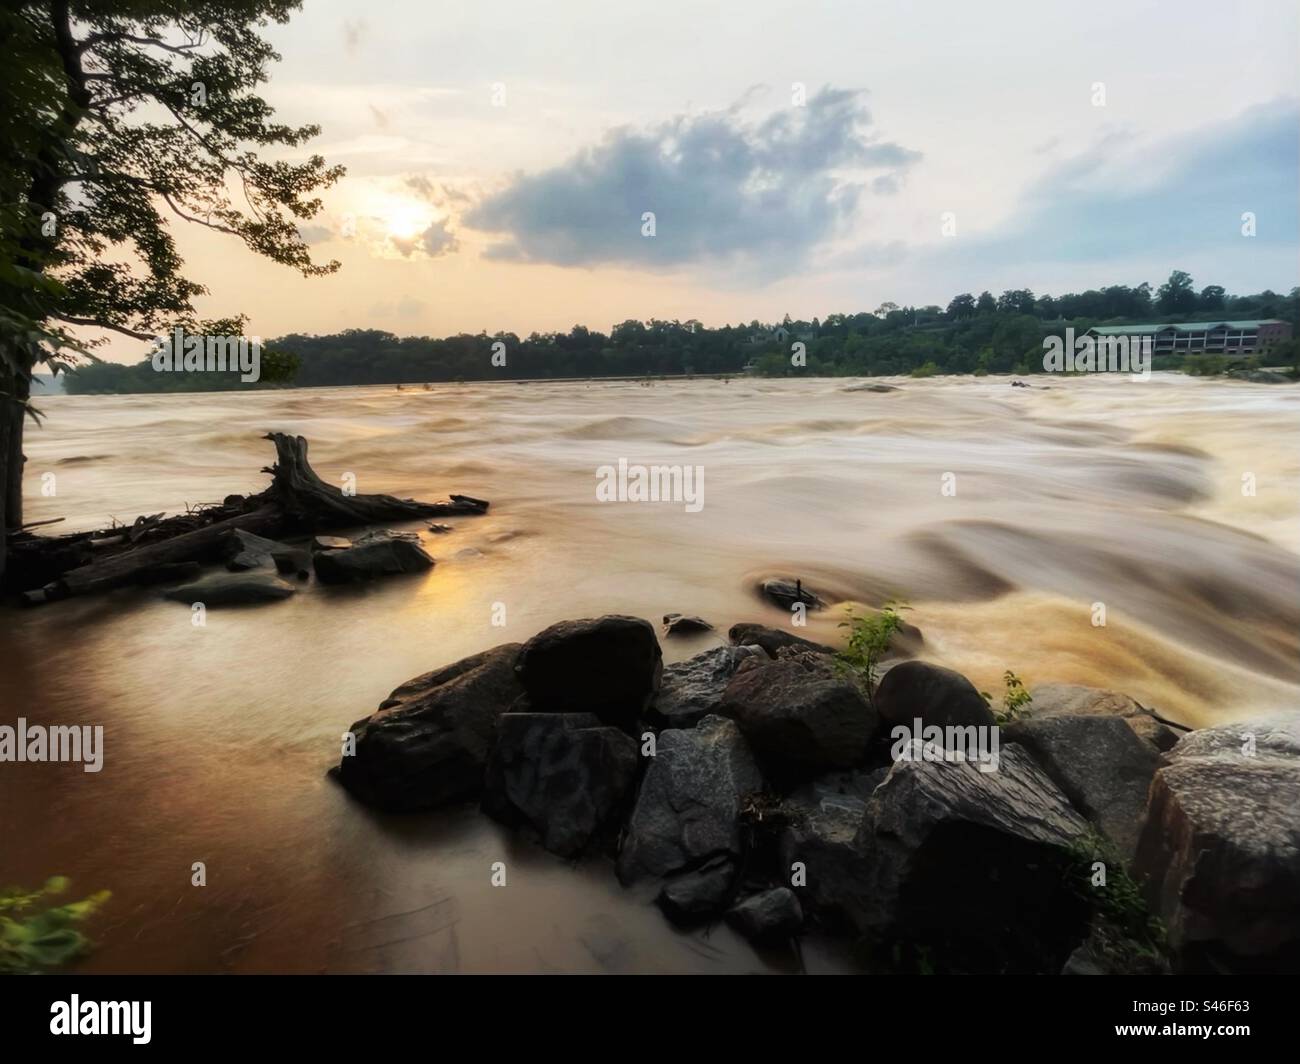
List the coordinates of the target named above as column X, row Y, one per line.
column 1002, row 516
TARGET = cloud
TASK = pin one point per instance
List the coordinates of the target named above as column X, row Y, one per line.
column 722, row 189
column 436, row 240
column 314, row 234
column 353, row 34
column 1186, row 195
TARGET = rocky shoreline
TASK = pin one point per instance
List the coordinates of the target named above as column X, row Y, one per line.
column 764, row 783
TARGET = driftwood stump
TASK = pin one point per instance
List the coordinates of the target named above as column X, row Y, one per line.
column 297, row 502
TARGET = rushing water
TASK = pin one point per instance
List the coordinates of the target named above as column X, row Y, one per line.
column 1101, row 490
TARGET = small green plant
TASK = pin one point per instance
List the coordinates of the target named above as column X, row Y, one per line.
column 36, row 941
column 868, row 641
column 1124, row 935
column 1015, row 701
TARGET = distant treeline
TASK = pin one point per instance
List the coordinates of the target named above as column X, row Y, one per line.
column 973, row 334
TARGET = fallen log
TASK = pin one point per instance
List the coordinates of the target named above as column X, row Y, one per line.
column 297, row 502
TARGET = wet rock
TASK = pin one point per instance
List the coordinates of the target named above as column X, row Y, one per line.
column 818, row 847
column 232, row 589
column 677, row 624
column 244, row 550
column 914, row 690
column 565, row 774
column 319, row 543
column 610, row 666
column 870, row 388
column 440, row 530
column 800, row 714
column 1259, row 376
column 379, row 553
column 1103, row 767
column 689, row 804
column 770, row 916
column 1068, row 699
column 428, row 743
column 700, row 893
column 772, row 639
column 1220, row 852
column 971, row 866
column 293, row 561
column 692, row 689
column 785, row 593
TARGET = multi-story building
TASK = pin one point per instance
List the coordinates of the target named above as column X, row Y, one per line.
column 1252, row 337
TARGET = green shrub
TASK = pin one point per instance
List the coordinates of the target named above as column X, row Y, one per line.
column 868, row 641
column 36, row 941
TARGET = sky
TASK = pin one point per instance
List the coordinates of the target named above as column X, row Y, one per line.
column 797, row 158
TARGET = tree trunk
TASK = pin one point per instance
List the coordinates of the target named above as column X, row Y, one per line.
column 14, row 389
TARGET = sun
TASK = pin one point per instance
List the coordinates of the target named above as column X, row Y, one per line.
column 405, row 219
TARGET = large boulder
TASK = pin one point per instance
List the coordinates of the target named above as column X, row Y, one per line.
column 565, row 774
column 772, row 639
column 428, row 743
column 1076, row 700
column 692, row 689
column 610, row 666
column 973, row 867
column 801, row 715
column 1101, row 765
column 918, row 690
column 379, row 553
column 233, row 589
column 688, row 808
column 1220, row 852
column 818, row 851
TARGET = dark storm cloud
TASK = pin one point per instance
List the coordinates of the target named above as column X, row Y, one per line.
column 721, row 188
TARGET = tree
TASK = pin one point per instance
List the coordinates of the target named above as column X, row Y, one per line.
column 986, row 304
column 1211, row 297
column 962, row 306
column 95, row 176
column 1176, row 295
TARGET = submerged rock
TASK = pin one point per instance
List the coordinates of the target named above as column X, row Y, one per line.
column 772, row 639
column 688, row 808
column 768, row 917
column 677, row 624
column 785, row 593
column 379, row 553
column 566, row 774
column 700, row 893
column 428, row 742
column 1220, row 852
column 692, row 689
column 232, row 589
column 610, row 666
column 800, row 714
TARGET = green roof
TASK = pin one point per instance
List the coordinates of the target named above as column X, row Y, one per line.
column 1180, row 326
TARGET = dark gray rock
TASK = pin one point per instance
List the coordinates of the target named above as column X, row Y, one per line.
column 293, row 561
column 678, row 624
column 429, row 741
column 232, row 589
column 610, row 666
column 565, row 774
column 379, row 553
column 168, row 572
column 913, row 690
column 1220, row 852
column 870, row 388
column 1103, row 767
column 973, row 866
column 692, row 689
column 772, row 639
column 244, row 550
column 700, row 893
column 800, row 714
column 1075, row 700
column 785, row 593
column 770, row 916
column 689, row 804
column 818, row 850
